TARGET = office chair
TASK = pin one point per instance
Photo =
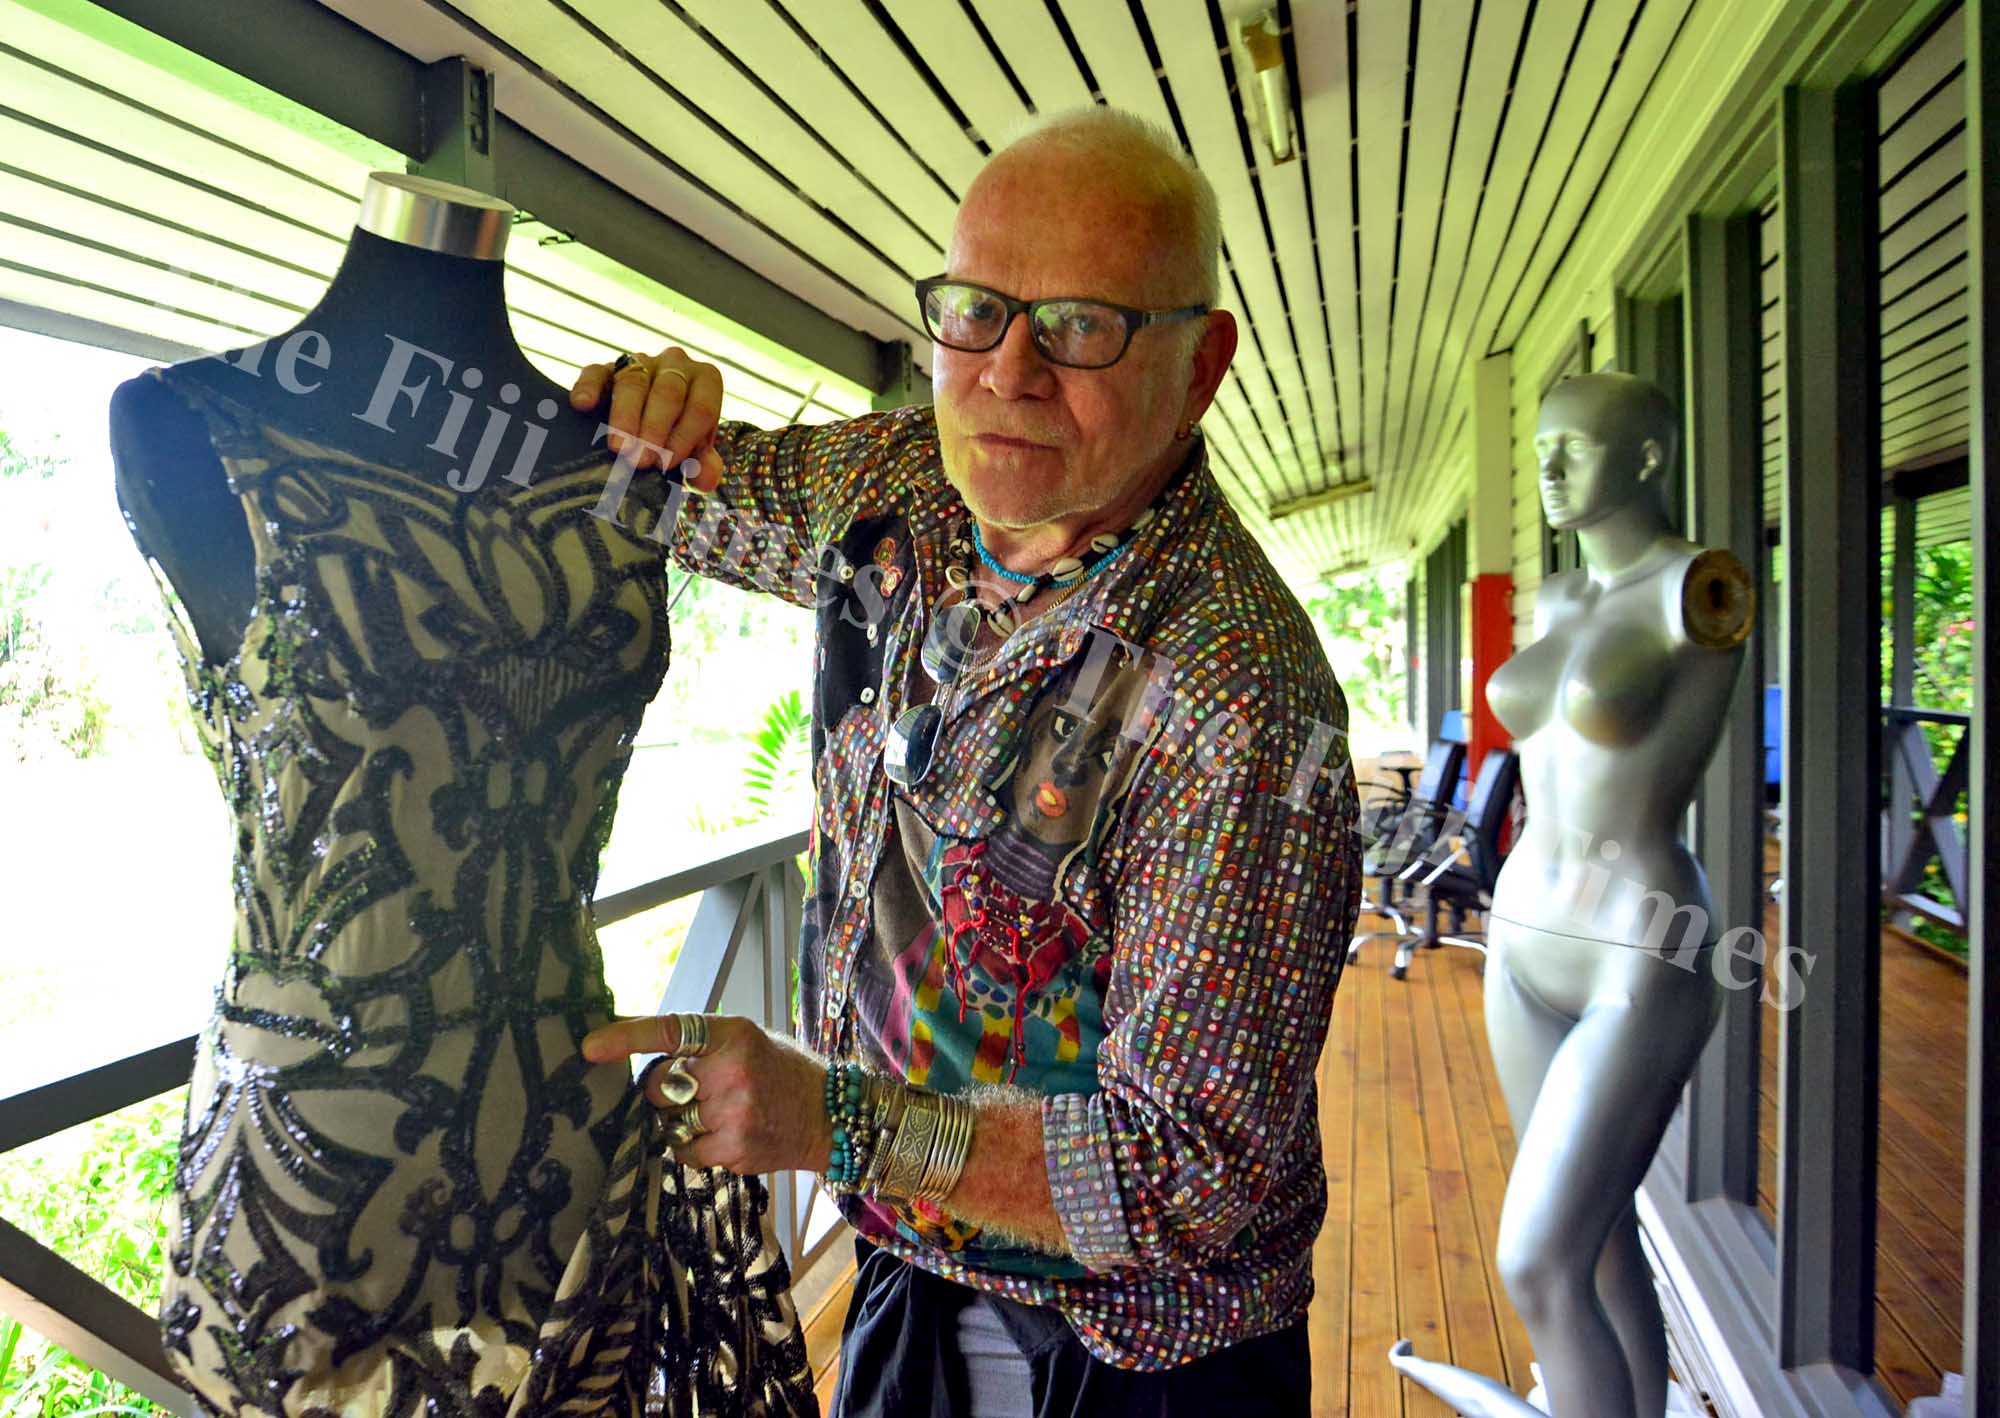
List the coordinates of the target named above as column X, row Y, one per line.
column 1463, row 881
column 1395, row 836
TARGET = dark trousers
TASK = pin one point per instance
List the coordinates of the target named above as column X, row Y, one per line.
column 899, row 1359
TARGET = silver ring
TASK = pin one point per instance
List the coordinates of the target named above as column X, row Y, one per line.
column 691, row 1119
column 675, row 1131
column 686, row 381
column 677, row 1085
column 692, row 1032
column 628, row 360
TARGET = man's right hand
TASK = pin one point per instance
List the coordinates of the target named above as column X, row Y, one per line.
column 664, row 410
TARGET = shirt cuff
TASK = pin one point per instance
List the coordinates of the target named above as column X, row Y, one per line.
column 1083, row 1179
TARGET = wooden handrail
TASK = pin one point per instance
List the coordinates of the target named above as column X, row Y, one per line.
column 71, row 1309
column 630, row 901
column 35, row 1113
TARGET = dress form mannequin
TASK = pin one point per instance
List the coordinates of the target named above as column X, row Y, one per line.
column 417, row 304
column 420, row 615
column 1600, row 992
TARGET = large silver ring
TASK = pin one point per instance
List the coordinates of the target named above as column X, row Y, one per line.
column 691, row 1119
column 677, row 1085
column 693, row 1035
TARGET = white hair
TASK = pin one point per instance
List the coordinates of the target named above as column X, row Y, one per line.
column 1114, row 132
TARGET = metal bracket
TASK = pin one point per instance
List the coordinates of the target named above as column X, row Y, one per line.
column 455, row 105
column 900, row 383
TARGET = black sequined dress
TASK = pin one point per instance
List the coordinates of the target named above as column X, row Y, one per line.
column 400, row 1189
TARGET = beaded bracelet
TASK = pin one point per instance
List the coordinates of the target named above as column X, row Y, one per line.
column 844, row 1089
column 892, row 1140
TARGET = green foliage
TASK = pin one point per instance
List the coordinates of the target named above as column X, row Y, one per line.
column 18, row 462
column 730, row 646
column 1944, row 619
column 777, row 751
column 691, row 600
column 97, row 1198
column 19, row 585
column 1942, row 937
column 48, row 706
column 1360, row 621
column 1943, row 637
column 776, row 762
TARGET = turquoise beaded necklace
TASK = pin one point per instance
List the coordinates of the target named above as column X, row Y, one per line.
column 1105, row 548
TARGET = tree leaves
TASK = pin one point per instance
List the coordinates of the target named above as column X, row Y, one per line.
column 99, row 1204
column 777, row 751
column 776, row 762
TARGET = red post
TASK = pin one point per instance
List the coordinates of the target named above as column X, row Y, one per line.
column 1492, row 643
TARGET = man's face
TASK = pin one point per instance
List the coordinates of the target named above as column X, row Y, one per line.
column 1589, row 461
column 1027, row 442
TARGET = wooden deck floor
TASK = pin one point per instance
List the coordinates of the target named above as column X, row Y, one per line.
column 1418, row 1146
column 1417, row 1150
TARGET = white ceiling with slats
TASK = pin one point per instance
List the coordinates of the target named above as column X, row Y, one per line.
column 1447, row 156
column 155, row 201
column 1445, row 152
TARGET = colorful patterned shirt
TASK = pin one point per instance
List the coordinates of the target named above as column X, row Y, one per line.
column 1126, row 884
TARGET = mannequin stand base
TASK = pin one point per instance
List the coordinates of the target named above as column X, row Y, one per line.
column 1476, row 1396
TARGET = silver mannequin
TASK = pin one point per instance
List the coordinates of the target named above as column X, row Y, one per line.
column 1600, row 989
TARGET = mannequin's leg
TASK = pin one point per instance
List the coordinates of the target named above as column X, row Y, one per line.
column 1597, row 1121
column 1522, row 1034
column 1625, row 1285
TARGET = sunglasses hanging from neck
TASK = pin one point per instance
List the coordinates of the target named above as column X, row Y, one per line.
column 947, row 654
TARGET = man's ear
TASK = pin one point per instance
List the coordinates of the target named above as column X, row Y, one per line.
column 1211, row 362
column 1652, row 459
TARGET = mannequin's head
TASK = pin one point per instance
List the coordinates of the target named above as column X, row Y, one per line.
column 1604, row 442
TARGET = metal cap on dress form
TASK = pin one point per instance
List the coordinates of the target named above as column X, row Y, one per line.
column 438, row 216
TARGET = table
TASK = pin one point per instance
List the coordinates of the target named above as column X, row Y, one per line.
column 1405, row 766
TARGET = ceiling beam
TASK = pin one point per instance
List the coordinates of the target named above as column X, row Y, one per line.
column 1933, row 475
column 1340, row 492
column 322, row 60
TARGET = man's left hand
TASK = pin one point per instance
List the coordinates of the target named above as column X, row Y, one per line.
column 762, row 1101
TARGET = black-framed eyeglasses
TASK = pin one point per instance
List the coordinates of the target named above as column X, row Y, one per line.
column 911, row 746
column 1068, row 330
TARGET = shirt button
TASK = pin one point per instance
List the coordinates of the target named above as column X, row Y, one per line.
column 847, row 571
column 868, row 694
column 872, row 634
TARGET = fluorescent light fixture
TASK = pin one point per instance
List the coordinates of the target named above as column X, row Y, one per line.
column 1264, row 87
column 1339, row 492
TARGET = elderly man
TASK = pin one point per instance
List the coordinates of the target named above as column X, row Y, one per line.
column 1082, row 861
